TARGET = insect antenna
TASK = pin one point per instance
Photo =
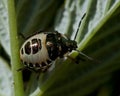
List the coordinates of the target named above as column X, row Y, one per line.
column 79, row 25
column 89, row 58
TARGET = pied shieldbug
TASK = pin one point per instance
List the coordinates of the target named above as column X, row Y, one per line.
column 38, row 51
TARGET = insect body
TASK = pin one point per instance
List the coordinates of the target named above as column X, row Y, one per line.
column 40, row 50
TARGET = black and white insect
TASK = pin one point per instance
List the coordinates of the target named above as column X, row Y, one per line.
column 38, row 51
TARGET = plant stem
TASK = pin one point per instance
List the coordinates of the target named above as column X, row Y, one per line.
column 15, row 59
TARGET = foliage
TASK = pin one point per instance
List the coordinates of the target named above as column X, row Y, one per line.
column 98, row 37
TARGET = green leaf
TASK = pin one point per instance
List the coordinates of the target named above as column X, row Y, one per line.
column 4, row 33
column 5, row 79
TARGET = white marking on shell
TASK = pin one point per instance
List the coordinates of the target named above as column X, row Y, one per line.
column 41, row 55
